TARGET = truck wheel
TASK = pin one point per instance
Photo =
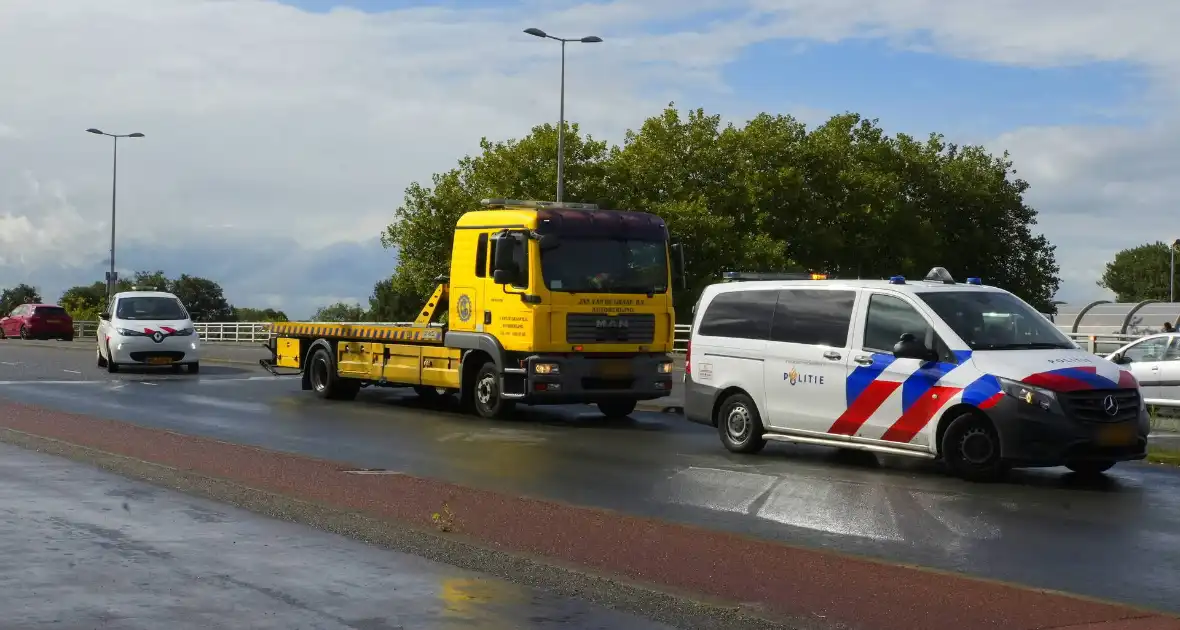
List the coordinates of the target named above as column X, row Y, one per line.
column 488, row 402
column 971, row 448
column 431, row 394
column 739, row 425
column 615, row 409
column 324, row 380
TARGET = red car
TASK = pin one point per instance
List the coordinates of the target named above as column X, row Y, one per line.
column 38, row 321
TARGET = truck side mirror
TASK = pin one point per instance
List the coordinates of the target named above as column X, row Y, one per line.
column 678, row 270
column 504, row 269
column 910, row 348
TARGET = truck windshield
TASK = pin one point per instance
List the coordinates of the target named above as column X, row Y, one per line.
column 150, row 308
column 995, row 321
column 602, row 265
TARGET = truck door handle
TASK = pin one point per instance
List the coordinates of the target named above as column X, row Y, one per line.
column 863, row 360
column 832, row 354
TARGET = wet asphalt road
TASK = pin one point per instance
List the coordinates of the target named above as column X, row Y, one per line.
column 86, row 548
column 1116, row 538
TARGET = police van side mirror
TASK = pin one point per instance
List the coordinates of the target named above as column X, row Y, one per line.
column 910, row 348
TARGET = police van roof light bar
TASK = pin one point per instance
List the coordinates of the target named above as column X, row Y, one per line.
column 940, row 274
column 528, row 203
column 744, row 276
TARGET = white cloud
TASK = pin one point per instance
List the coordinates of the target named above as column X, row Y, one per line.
column 268, row 125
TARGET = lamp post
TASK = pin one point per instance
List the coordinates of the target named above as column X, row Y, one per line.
column 590, row 39
column 114, row 182
column 1172, row 272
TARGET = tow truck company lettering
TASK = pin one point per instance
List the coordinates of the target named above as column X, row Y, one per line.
column 795, row 378
column 607, row 302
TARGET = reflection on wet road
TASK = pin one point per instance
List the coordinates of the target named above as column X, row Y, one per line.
column 1118, row 537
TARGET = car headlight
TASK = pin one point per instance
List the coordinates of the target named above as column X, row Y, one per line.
column 127, row 332
column 184, row 332
column 1027, row 394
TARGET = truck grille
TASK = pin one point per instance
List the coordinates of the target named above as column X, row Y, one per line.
column 624, row 328
column 1090, row 406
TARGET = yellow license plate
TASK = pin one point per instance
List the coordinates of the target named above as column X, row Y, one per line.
column 615, row 368
column 1118, row 435
column 159, row 360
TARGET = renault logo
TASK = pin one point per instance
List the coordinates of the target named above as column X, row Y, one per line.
column 159, row 336
column 1110, row 405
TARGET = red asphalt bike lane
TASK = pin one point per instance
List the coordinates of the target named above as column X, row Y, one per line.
column 819, row 585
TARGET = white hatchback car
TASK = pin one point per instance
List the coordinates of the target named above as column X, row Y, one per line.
column 147, row 328
column 1155, row 362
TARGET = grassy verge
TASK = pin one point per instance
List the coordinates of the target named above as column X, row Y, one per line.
column 1163, row 456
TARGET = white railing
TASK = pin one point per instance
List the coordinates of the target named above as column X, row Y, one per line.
column 253, row 332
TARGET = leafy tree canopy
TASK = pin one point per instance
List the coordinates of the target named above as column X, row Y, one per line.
column 842, row 198
column 202, row 297
column 16, row 296
column 1139, row 273
column 340, row 312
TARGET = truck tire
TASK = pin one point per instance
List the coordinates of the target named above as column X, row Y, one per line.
column 488, row 402
column 325, row 382
column 616, row 409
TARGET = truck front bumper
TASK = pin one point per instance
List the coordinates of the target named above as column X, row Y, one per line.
column 567, row 379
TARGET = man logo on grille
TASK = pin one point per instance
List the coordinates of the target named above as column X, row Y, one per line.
column 1110, row 405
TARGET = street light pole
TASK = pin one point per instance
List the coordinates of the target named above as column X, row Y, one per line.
column 114, row 188
column 1172, row 272
column 590, row 39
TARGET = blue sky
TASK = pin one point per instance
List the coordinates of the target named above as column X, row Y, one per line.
column 288, row 132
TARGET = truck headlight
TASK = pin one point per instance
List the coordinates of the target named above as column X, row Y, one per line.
column 546, row 368
column 1030, row 395
column 666, row 367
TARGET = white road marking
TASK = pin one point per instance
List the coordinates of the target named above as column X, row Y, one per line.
column 373, row 472
column 50, row 382
column 716, row 489
column 72, row 371
column 223, row 404
column 495, row 435
column 12, row 363
column 847, row 509
column 942, row 509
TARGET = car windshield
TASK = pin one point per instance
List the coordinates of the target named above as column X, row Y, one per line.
column 991, row 320
column 150, row 308
column 601, row 265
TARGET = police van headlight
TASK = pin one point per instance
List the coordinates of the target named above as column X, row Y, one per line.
column 1030, row 395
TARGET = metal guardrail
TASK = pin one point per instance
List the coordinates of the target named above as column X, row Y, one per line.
column 253, row 332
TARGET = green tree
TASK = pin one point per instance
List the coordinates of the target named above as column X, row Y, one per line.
column 843, row 198
column 246, row 314
column 340, row 312
column 16, row 296
column 85, row 302
column 1139, row 273
column 394, row 303
column 202, row 297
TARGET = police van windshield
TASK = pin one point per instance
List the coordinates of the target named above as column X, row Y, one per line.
column 150, row 308
column 990, row 320
column 603, row 265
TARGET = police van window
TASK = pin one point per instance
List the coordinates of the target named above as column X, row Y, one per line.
column 739, row 315
column 813, row 317
column 995, row 320
column 888, row 319
column 481, row 256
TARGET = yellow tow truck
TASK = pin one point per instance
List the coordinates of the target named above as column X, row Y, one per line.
column 545, row 303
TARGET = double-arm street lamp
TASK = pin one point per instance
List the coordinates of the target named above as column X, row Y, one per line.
column 591, row 39
column 114, row 182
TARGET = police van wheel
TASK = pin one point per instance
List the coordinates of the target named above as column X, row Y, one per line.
column 488, row 402
column 616, row 409
column 1090, row 468
column 971, row 449
column 739, row 425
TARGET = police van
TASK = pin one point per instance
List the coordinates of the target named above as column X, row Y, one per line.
column 960, row 372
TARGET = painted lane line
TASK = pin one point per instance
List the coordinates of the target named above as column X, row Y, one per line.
column 845, row 509
column 720, row 490
column 72, row 371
